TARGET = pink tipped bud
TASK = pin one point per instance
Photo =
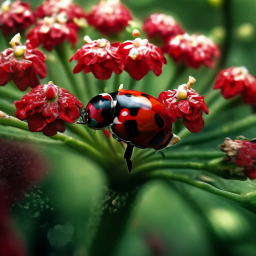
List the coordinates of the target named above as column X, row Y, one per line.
column 50, row 92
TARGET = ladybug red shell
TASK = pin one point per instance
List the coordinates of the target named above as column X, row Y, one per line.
column 141, row 120
column 135, row 117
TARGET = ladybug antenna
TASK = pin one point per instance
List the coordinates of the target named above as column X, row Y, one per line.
column 84, row 116
column 128, row 155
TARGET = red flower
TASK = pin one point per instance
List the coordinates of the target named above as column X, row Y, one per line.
column 46, row 107
column 161, row 25
column 15, row 17
column 243, row 154
column 109, row 16
column 236, row 80
column 21, row 167
column 98, row 57
column 74, row 13
column 10, row 244
column 52, row 31
column 22, row 64
column 185, row 103
column 140, row 57
column 194, row 50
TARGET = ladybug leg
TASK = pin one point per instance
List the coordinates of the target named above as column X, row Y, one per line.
column 162, row 154
column 115, row 137
column 128, row 155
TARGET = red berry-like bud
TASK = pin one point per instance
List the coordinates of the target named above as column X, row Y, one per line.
column 47, row 107
column 237, row 80
column 50, row 92
column 109, row 16
column 185, row 103
column 194, row 50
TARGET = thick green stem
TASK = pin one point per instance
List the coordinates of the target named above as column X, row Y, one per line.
column 113, row 223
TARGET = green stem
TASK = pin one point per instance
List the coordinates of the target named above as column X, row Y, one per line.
column 199, row 184
column 219, row 105
column 225, row 130
column 81, row 147
column 62, row 52
column 116, row 82
column 179, row 71
column 10, row 93
column 132, row 84
column 228, row 23
column 81, row 132
column 171, row 154
column 7, row 107
column 217, row 166
column 22, row 136
column 103, row 87
column 113, row 223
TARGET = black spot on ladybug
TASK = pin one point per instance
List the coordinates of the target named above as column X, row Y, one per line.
column 134, row 111
column 158, row 138
column 131, row 128
column 128, row 94
column 159, row 120
column 145, row 95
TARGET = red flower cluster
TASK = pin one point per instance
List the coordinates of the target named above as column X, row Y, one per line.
column 21, row 167
column 109, row 16
column 52, row 31
column 98, row 57
column 22, row 64
column 236, row 80
column 161, row 25
column 139, row 57
column 243, row 154
column 185, row 103
column 102, row 58
column 15, row 17
column 47, row 107
column 194, row 50
column 74, row 13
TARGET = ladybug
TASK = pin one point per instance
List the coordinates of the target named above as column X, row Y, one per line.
column 136, row 118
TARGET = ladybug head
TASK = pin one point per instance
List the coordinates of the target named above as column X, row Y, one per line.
column 99, row 112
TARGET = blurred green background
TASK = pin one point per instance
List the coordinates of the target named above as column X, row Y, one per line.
column 169, row 218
